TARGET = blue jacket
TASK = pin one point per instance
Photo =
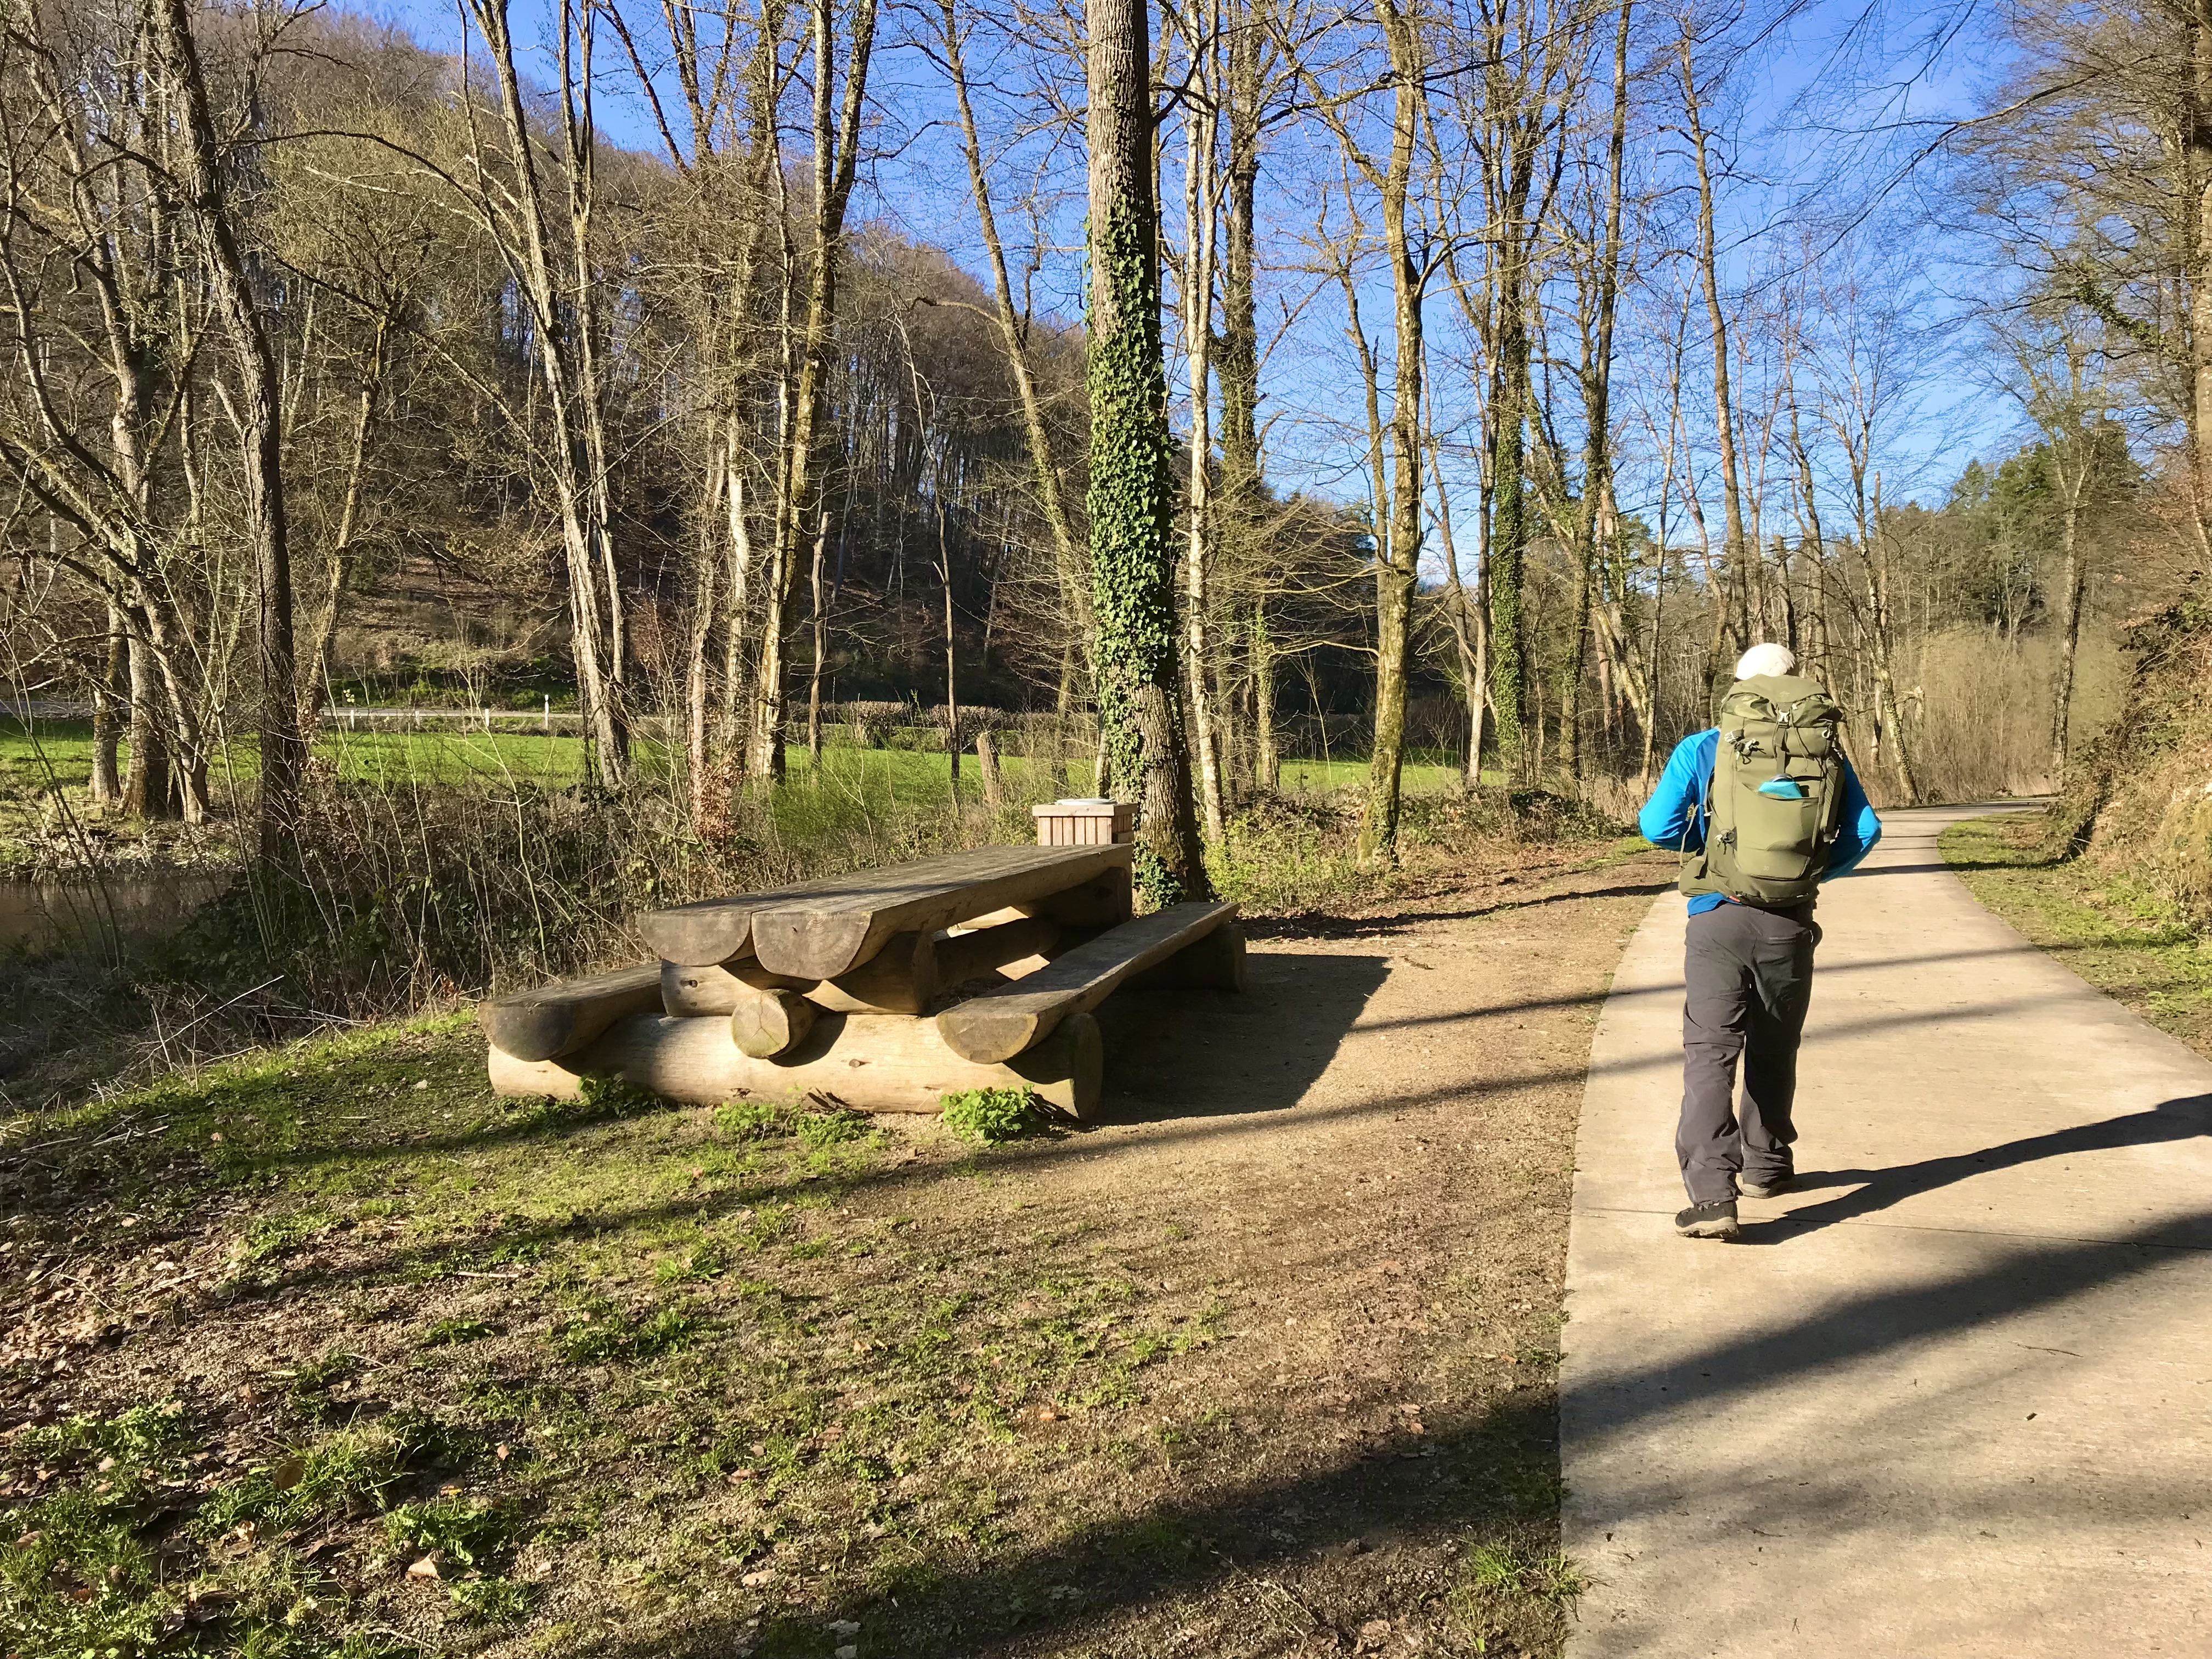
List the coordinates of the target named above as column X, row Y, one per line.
column 1675, row 815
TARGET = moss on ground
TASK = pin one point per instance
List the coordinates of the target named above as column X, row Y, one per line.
column 2119, row 934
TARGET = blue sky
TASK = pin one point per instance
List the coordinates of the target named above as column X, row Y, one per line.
column 1816, row 118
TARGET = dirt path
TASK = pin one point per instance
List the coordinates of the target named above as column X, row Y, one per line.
column 1263, row 1365
column 1369, row 1158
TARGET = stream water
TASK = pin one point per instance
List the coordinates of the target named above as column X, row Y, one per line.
column 91, row 919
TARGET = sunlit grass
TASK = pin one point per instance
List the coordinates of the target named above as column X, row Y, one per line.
column 460, row 755
column 2123, row 938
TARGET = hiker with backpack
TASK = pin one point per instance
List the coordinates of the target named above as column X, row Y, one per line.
column 1763, row 807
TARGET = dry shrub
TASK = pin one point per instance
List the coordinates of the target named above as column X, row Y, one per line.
column 411, row 896
column 1984, row 717
column 2141, row 800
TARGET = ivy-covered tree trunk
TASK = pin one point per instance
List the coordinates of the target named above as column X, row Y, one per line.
column 1132, row 561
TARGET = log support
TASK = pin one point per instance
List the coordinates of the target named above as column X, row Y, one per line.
column 872, row 1063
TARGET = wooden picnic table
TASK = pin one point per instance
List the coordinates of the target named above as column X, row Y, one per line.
column 827, row 988
column 820, row 929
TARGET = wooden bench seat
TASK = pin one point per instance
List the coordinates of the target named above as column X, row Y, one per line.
column 1003, row 1023
column 558, row 1019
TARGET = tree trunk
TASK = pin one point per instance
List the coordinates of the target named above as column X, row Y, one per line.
column 1732, row 550
column 111, row 711
column 821, row 648
column 148, row 792
column 1466, row 624
column 2196, row 141
column 559, row 317
column 337, row 568
column 836, row 157
column 1594, row 524
column 283, row 749
column 738, row 589
column 1508, row 530
column 706, row 571
column 1398, row 564
column 1889, row 716
column 951, row 664
column 2069, row 626
column 1266, row 754
column 1202, row 213
column 1132, row 567
column 1044, row 467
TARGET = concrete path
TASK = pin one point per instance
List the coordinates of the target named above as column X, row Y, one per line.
column 1953, row 1395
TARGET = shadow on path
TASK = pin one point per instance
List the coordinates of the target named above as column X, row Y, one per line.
column 1878, row 1189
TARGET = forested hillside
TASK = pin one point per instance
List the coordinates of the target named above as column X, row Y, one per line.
column 694, row 376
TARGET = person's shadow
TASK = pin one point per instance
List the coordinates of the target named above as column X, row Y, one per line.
column 2183, row 1119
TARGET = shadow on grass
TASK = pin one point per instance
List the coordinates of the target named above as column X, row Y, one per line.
column 1491, row 1477
column 1489, row 1473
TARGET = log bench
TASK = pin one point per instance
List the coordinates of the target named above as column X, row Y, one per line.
column 1001, row 1024
column 827, row 988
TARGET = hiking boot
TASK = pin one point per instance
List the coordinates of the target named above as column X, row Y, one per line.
column 1771, row 1185
column 1714, row 1220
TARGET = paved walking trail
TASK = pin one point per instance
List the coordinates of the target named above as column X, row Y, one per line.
column 1954, row 1394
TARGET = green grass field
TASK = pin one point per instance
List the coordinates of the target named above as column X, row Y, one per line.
column 62, row 751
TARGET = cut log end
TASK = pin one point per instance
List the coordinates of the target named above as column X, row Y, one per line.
column 766, row 1025
column 696, row 936
column 811, row 944
column 995, row 1036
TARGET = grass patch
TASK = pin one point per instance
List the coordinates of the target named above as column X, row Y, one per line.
column 2114, row 931
column 583, row 1359
column 1500, row 1583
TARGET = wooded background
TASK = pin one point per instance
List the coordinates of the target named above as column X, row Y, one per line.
column 1497, row 395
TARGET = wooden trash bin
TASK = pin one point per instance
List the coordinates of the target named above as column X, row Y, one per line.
column 1086, row 822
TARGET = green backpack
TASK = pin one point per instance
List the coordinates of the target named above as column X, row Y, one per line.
column 1776, row 795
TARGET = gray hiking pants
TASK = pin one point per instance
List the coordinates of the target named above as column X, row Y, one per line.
column 1749, row 974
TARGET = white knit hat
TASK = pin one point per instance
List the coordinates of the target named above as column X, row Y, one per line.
column 1775, row 660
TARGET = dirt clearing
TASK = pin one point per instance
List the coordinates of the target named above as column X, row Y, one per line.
column 334, row 1352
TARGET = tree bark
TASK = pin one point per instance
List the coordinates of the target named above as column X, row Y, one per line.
column 1467, row 625
column 1132, row 566
column 337, row 565
column 111, row 711
column 821, row 618
column 1044, row 465
column 1595, row 523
